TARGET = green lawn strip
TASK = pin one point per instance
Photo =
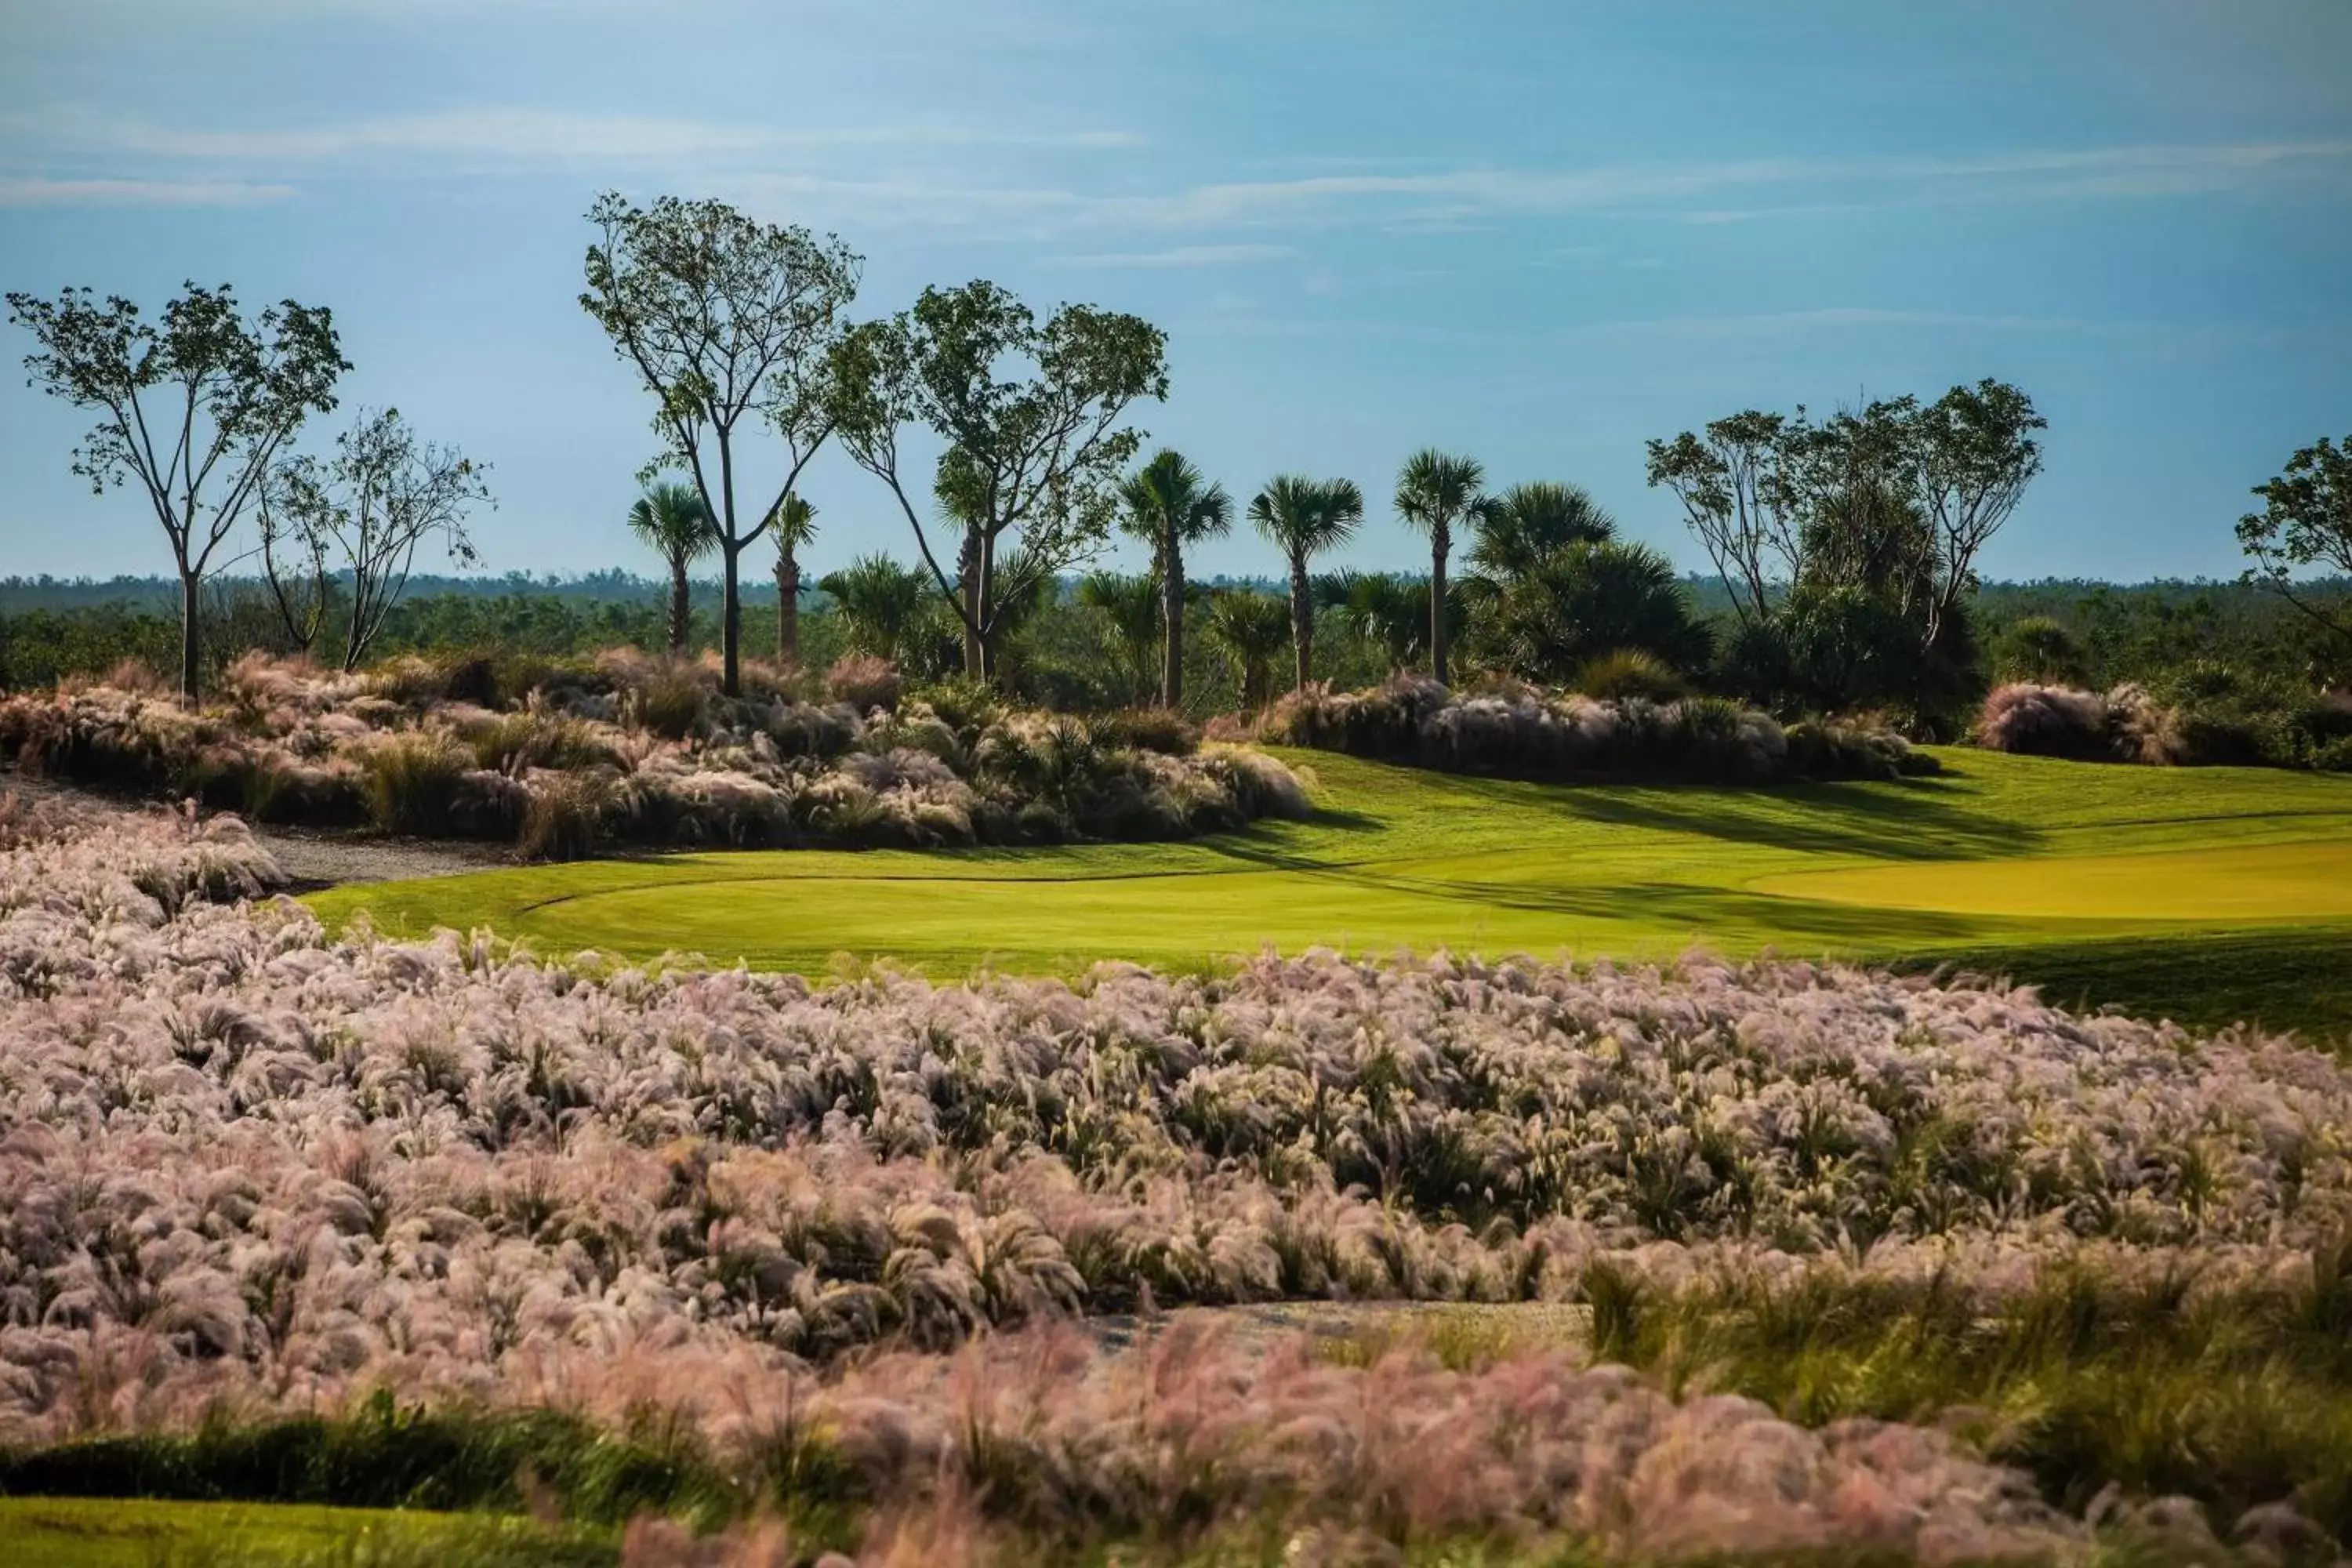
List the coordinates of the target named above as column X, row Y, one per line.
column 1406, row 859
column 148, row 1533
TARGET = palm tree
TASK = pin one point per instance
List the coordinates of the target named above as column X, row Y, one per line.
column 1251, row 628
column 881, row 604
column 1170, row 505
column 1511, row 532
column 1132, row 605
column 1434, row 492
column 794, row 526
column 1388, row 611
column 1306, row 517
column 670, row 519
column 1585, row 600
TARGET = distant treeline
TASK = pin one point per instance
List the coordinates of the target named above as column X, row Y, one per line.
column 2158, row 633
column 610, row 586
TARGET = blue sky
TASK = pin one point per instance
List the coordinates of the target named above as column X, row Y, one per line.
column 1536, row 232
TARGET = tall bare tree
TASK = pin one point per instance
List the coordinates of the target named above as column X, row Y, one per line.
column 1029, row 414
column 2305, row 522
column 370, row 507
column 1736, row 494
column 194, row 407
column 730, row 324
column 1898, row 498
column 1977, row 452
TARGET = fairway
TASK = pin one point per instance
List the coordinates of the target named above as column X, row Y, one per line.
column 150, row 1532
column 1999, row 857
column 2310, row 880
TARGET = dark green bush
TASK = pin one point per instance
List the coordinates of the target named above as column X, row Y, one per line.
column 412, row 782
column 1147, row 729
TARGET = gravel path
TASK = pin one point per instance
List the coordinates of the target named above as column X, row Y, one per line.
column 311, row 857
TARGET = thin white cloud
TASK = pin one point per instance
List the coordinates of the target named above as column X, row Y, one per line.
column 1458, row 198
column 904, row 176
column 535, row 135
column 36, row 191
column 1183, row 255
column 1866, row 317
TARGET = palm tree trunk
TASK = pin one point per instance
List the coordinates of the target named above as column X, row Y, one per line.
column 1172, row 611
column 1437, row 607
column 788, row 610
column 680, row 606
column 1302, row 620
column 969, row 572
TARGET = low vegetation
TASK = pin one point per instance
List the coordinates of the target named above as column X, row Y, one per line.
column 296, row 1216
column 1519, row 731
column 562, row 758
column 2129, row 724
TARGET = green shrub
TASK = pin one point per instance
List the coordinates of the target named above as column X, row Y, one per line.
column 671, row 700
column 1830, row 749
column 1158, row 729
column 2041, row 650
column 412, row 782
column 1630, row 672
column 513, row 743
column 566, row 815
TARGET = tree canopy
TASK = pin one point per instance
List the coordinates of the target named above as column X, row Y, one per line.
column 194, row 407
column 1029, row 415
column 730, row 324
column 2306, row 522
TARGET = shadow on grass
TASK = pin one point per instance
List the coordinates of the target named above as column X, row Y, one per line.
column 1727, row 914
column 2297, row 979
column 1905, row 821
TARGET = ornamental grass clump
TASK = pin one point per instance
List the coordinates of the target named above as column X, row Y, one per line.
column 634, row 749
column 1514, row 731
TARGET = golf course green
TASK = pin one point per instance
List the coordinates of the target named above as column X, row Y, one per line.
column 2207, row 894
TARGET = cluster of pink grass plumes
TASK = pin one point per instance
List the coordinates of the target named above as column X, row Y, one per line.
column 1534, row 1447
column 1522, row 732
column 634, row 749
column 247, row 1168
column 2124, row 725
column 235, row 1147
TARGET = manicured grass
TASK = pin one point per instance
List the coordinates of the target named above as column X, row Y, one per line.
column 119, row 1533
column 2015, row 863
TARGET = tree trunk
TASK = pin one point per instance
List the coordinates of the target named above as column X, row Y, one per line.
column 731, row 602
column 1437, row 609
column 681, row 606
column 731, row 615
column 983, row 609
column 968, row 574
column 191, row 612
column 1302, row 620
column 1172, row 611
column 788, row 611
